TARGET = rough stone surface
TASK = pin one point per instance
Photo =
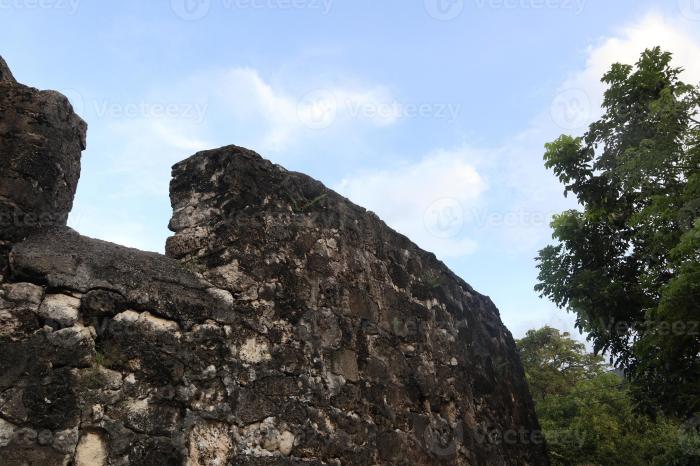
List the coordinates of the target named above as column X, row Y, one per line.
column 287, row 326
column 116, row 277
column 91, row 450
column 41, row 139
column 61, row 309
column 393, row 358
column 5, row 73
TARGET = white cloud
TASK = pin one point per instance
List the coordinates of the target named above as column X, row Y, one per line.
column 516, row 167
column 138, row 141
column 517, row 211
column 141, row 152
column 415, row 198
column 581, row 94
column 142, row 140
column 427, row 201
column 283, row 118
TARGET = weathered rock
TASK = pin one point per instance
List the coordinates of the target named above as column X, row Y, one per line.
column 61, row 309
column 23, row 293
column 63, row 259
column 91, row 450
column 5, row 73
column 41, row 139
column 287, row 327
column 396, row 359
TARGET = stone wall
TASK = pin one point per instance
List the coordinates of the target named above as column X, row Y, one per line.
column 395, row 357
column 286, row 325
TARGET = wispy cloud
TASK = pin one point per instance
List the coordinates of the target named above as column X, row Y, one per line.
column 427, row 200
column 283, row 119
column 447, row 201
column 503, row 194
column 580, row 96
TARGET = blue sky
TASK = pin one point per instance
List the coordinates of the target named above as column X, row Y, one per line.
column 432, row 113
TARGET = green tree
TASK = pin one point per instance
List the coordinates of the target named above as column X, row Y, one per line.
column 555, row 362
column 588, row 417
column 628, row 262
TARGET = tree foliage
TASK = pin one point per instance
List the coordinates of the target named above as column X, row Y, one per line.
column 588, row 418
column 628, row 262
column 555, row 362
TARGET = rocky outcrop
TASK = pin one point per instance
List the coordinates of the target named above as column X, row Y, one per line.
column 5, row 73
column 286, row 325
column 116, row 278
column 41, row 139
column 395, row 358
